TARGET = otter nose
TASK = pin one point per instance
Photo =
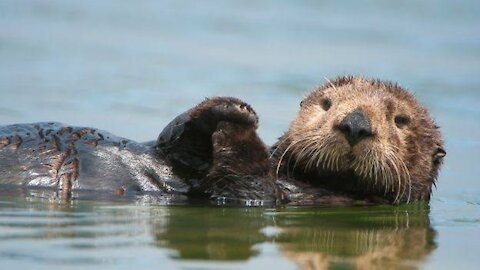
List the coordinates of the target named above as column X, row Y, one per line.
column 355, row 126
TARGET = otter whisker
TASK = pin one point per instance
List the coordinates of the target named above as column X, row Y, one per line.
column 307, row 141
column 409, row 178
column 297, row 144
column 393, row 160
column 322, row 154
column 394, row 171
column 337, row 160
column 306, row 150
column 331, row 160
column 316, row 156
column 402, row 175
column 281, row 158
column 292, row 144
column 311, row 150
column 319, row 157
column 325, row 158
column 406, row 175
column 288, row 138
column 278, row 145
column 375, row 167
column 310, row 161
column 384, row 174
column 370, row 164
column 333, row 156
column 367, row 165
column 402, row 185
column 387, row 178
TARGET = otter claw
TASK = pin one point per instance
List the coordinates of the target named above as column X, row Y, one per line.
column 232, row 109
column 235, row 114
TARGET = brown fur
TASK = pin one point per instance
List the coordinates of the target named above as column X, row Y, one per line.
column 397, row 163
column 216, row 142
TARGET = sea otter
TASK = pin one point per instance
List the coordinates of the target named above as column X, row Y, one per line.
column 354, row 141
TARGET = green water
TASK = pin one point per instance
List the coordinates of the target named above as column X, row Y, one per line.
column 129, row 67
column 43, row 233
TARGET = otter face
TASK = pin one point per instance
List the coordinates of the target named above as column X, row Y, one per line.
column 368, row 136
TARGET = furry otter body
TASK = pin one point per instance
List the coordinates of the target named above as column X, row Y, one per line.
column 353, row 141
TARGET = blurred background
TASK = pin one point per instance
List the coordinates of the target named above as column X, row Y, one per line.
column 130, row 66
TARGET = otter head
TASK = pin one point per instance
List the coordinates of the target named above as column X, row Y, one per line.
column 365, row 137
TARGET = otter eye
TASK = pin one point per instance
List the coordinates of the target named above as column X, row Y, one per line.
column 326, row 104
column 401, row 121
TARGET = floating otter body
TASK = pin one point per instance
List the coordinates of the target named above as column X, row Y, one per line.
column 353, row 141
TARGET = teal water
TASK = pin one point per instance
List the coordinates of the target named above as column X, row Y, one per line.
column 129, row 67
column 40, row 233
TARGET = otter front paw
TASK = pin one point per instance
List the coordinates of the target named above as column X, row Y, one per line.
column 204, row 119
column 187, row 140
column 214, row 110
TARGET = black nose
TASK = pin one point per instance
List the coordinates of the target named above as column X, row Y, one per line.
column 355, row 126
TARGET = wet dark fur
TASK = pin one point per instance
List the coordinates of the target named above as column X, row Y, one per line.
column 219, row 145
column 210, row 151
column 76, row 158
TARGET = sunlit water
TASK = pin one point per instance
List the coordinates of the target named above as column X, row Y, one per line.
column 129, row 67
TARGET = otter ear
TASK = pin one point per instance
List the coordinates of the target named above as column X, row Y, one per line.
column 439, row 154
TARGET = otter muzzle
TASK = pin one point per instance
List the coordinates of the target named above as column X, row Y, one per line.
column 355, row 127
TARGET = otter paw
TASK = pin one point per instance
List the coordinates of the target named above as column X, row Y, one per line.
column 226, row 109
column 241, row 113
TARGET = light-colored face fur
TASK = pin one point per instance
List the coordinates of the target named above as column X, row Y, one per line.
column 402, row 155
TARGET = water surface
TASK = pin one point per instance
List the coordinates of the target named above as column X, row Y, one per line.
column 40, row 232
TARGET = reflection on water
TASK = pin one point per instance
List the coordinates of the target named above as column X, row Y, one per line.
column 377, row 238
column 125, row 234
